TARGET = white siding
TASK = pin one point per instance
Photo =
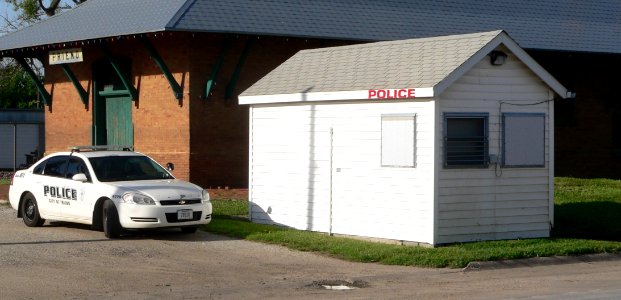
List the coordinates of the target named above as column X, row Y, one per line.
column 481, row 204
column 304, row 177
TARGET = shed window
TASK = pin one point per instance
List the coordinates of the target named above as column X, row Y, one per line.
column 523, row 139
column 465, row 140
column 398, row 140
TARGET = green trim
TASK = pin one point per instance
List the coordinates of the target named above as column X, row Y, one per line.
column 216, row 68
column 230, row 87
column 117, row 68
column 83, row 94
column 174, row 85
column 109, row 93
column 47, row 98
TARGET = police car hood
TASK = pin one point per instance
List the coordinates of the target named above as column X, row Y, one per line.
column 161, row 189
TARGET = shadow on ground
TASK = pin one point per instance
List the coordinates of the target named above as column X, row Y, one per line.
column 598, row 220
column 164, row 234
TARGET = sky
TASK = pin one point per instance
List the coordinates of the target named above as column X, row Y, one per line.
column 6, row 9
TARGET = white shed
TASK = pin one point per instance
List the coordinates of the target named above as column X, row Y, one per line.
column 432, row 140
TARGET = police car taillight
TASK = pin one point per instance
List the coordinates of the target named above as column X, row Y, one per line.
column 12, row 177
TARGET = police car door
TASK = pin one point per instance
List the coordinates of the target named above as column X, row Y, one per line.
column 48, row 185
column 78, row 204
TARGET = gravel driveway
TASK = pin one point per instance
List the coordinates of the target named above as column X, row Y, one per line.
column 67, row 261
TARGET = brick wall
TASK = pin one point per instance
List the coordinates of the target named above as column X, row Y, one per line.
column 219, row 127
column 161, row 123
column 588, row 128
column 67, row 120
column 206, row 139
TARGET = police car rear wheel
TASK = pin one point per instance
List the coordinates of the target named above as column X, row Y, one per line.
column 30, row 211
column 111, row 225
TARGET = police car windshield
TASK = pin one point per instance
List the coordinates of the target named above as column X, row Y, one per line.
column 127, row 168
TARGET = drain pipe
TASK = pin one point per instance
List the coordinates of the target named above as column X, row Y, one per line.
column 14, row 148
column 331, row 171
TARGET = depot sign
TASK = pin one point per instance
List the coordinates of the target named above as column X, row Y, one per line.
column 66, row 56
column 392, row 94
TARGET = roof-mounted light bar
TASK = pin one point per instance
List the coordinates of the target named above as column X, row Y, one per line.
column 102, row 148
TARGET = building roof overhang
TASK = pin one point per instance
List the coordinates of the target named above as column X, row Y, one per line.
column 574, row 26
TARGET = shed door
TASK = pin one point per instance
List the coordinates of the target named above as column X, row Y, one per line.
column 119, row 126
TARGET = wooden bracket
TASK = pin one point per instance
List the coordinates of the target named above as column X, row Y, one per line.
column 83, row 94
column 117, row 68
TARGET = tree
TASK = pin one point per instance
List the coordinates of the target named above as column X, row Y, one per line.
column 16, row 89
column 29, row 11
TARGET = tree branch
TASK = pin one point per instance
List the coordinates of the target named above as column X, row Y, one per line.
column 51, row 10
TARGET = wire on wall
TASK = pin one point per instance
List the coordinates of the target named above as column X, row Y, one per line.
column 497, row 164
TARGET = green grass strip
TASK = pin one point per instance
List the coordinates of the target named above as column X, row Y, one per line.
column 453, row 256
column 586, row 221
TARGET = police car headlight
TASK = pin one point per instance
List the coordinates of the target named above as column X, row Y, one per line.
column 136, row 198
column 205, row 196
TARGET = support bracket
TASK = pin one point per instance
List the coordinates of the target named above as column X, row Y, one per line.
column 211, row 82
column 47, row 98
column 174, row 85
column 83, row 94
column 117, row 68
column 230, row 87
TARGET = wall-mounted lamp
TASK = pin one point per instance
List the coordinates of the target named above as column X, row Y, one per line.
column 497, row 58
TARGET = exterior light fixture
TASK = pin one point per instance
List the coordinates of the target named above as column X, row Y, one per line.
column 497, row 58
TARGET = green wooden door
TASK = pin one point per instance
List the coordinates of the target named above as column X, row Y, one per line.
column 119, row 126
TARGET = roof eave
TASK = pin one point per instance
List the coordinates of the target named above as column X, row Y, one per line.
column 503, row 39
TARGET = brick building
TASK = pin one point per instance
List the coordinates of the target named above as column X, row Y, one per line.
column 164, row 75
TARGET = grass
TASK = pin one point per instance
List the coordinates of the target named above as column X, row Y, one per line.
column 586, row 220
column 230, row 208
column 588, row 208
column 5, row 181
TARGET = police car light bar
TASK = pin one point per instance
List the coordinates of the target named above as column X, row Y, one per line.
column 102, row 148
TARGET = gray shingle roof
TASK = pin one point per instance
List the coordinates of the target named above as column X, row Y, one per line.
column 415, row 63
column 592, row 26
column 96, row 19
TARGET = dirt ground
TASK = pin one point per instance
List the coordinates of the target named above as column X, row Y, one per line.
column 4, row 192
column 65, row 261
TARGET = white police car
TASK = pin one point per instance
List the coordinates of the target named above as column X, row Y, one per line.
column 109, row 189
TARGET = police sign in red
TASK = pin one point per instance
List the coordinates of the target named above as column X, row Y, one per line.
column 391, row 94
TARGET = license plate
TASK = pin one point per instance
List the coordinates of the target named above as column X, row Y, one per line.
column 185, row 214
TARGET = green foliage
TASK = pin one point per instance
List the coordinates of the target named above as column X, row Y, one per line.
column 16, row 89
column 586, row 210
column 28, row 11
column 230, row 207
column 32, row 11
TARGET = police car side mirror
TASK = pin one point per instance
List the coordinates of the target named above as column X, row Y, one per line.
column 80, row 177
column 170, row 166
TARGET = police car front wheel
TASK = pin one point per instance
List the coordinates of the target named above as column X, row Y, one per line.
column 30, row 211
column 111, row 225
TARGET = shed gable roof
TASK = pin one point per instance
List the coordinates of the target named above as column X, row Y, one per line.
column 432, row 64
column 591, row 26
